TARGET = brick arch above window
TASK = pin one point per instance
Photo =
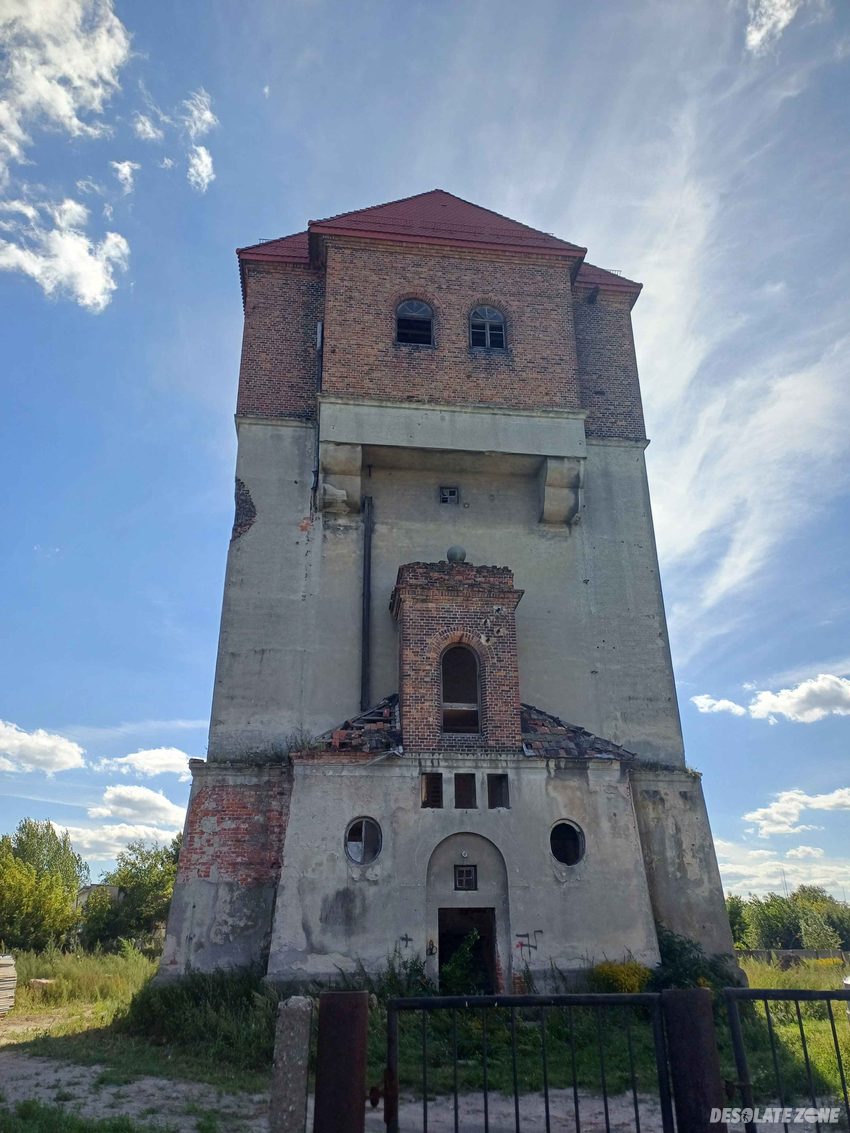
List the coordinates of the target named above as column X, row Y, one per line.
column 437, row 645
column 504, row 309
column 424, row 296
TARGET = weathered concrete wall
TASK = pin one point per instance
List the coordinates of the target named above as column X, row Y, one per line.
column 221, row 911
column 330, row 911
column 681, row 866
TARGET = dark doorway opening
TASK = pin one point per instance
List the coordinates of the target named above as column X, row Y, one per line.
column 454, row 927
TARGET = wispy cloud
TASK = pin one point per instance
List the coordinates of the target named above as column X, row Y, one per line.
column 198, row 117
column 747, row 870
column 63, row 259
column 782, row 815
column 88, row 733
column 60, row 65
column 768, row 19
column 145, row 129
column 124, row 171
column 200, row 174
column 154, row 761
column 37, row 751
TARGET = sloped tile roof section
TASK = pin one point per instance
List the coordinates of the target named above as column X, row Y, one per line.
column 590, row 276
column 293, row 248
column 548, row 737
column 441, row 217
column 544, row 736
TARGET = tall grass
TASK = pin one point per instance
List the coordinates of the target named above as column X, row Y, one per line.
column 34, row 1117
column 79, row 978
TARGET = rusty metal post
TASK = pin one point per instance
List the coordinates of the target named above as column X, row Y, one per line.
column 694, row 1061
column 341, row 1062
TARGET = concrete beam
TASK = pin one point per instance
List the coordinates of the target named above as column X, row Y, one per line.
column 561, row 489
column 341, row 466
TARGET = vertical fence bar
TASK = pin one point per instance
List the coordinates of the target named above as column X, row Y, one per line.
column 484, row 1044
column 779, row 1083
column 340, row 1105
column 575, row 1080
column 741, row 1067
column 602, row 1068
column 424, row 1071
column 391, row 1073
column 513, row 1062
column 806, row 1058
column 632, row 1069
column 664, row 1099
column 545, row 1068
column 839, row 1060
column 454, row 1061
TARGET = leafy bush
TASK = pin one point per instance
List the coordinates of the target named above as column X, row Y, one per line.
column 628, row 976
column 684, row 964
column 462, row 974
column 809, row 918
column 145, row 874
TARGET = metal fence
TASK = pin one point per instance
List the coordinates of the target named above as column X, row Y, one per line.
column 764, row 997
column 534, row 1011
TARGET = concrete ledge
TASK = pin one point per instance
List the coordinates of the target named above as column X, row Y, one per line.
column 465, row 428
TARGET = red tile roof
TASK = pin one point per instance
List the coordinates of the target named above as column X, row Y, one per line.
column 591, row 276
column 293, row 248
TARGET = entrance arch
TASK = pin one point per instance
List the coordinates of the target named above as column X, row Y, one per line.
column 452, row 911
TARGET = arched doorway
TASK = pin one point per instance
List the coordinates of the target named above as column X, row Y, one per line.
column 466, row 889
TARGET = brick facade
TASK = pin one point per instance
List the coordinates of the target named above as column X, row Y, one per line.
column 366, row 280
column 236, row 824
column 277, row 375
column 608, row 373
column 441, row 604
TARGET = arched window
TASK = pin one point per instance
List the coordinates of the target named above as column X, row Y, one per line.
column 363, row 840
column 414, row 323
column 460, row 690
column 566, row 843
column 487, row 329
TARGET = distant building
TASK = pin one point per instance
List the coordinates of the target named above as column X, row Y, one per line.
column 407, row 743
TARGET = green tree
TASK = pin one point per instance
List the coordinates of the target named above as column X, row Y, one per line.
column 39, row 845
column 772, row 922
column 35, row 910
column 145, row 875
column 735, row 907
column 815, row 932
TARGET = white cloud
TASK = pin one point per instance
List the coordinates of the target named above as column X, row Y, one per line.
column 810, row 701
column 166, row 163
column 60, row 65
column 145, row 128
column 200, row 168
column 140, row 804
column 87, row 185
column 104, row 843
column 745, row 870
column 199, row 118
column 706, row 703
column 38, row 750
column 805, row 852
column 90, row 733
column 155, row 761
column 124, row 171
column 266, row 91
column 767, row 21
column 64, row 260
column 780, row 816
column 824, row 695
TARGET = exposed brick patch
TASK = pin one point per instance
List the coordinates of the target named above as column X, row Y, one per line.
column 246, row 513
column 608, row 373
column 277, row 376
column 237, row 824
column 441, row 604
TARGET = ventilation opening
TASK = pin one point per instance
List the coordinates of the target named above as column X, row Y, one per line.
column 465, row 792
column 449, row 496
column 497, row 792
column 567, row 843
column 460, row 690
column 466, row 878
column 432, row 789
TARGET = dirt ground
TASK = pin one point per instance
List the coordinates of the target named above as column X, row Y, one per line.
column 179, row 1106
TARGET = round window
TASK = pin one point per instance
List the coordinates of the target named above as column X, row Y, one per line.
column 566, row 843
column 363, row 840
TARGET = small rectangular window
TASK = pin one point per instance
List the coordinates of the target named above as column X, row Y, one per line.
column 450, row 496
column 497, row 791
column 432, row 790
column 478, row 334
column 465, row 792
column 497, row 338
column 466, row 877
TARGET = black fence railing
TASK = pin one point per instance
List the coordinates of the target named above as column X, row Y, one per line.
column 799, row 1076
column 560, row 1039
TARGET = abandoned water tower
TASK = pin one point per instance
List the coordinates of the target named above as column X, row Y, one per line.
column 407, row 743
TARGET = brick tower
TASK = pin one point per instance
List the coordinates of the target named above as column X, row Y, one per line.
column 389, row 763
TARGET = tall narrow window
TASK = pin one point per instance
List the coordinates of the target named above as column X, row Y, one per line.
column 487, row 329
column 432, row 790
column 497, row 792
column 414, row 323
column 465, row 796
column 460, row 690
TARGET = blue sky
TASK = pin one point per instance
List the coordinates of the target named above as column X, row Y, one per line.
column 700, row 148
